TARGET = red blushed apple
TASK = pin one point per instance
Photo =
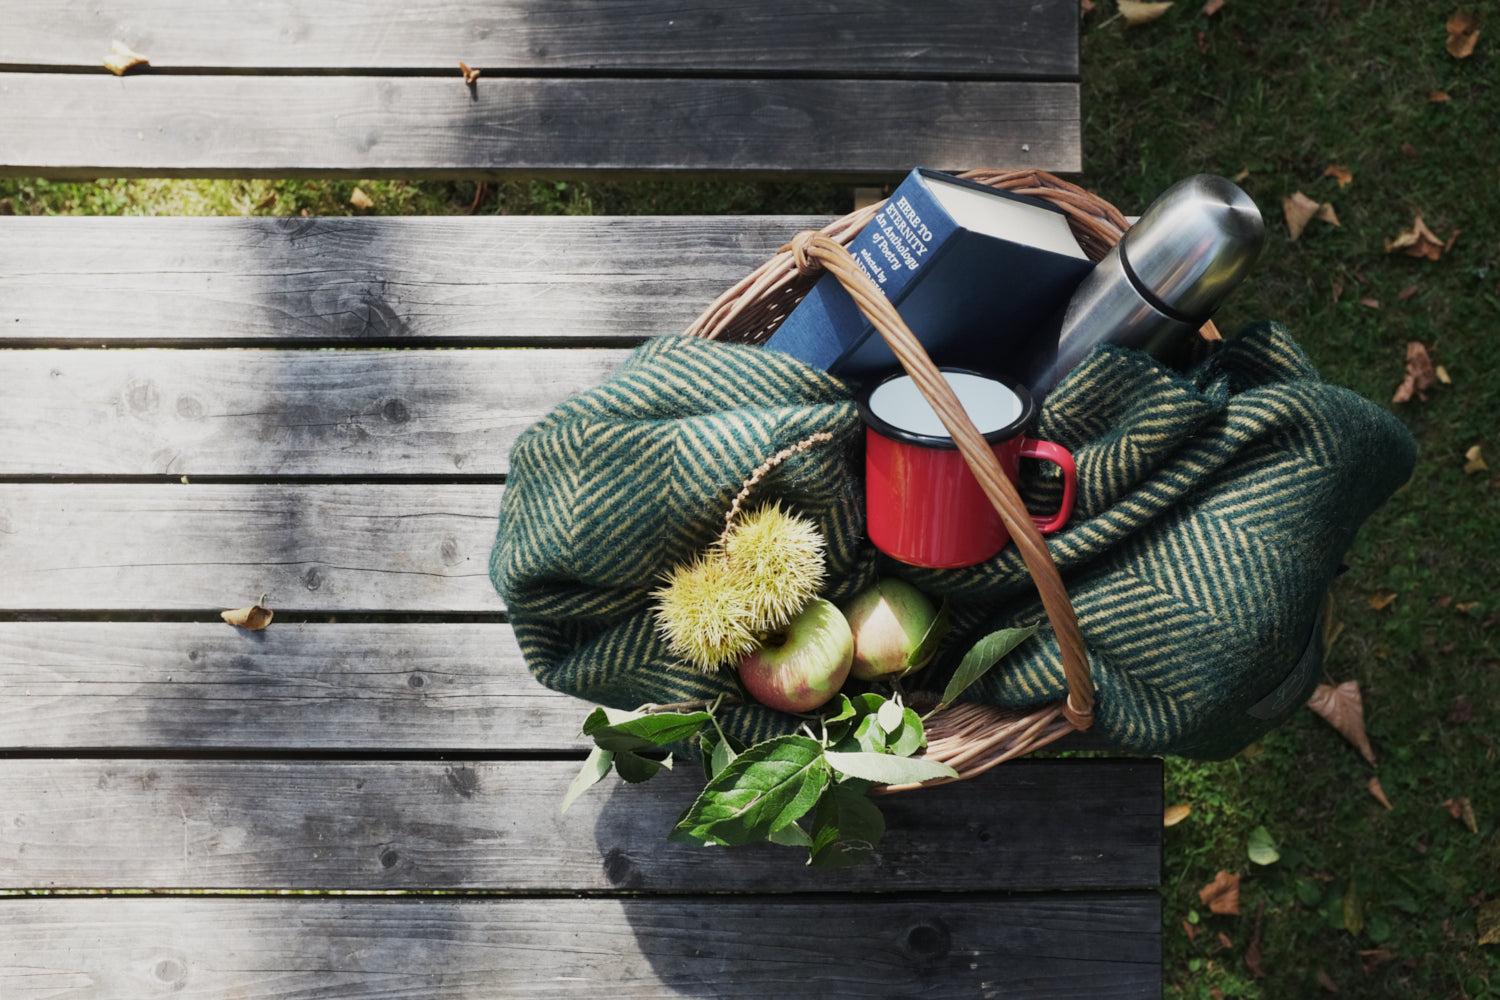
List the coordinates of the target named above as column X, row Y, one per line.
column 889, row 621
column 802, row 667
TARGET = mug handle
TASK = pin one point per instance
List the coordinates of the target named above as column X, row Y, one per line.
column 1063, row 458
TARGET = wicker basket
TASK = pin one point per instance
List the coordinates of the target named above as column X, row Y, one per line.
column 971, row 738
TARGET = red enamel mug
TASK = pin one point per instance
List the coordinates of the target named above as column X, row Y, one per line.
column 923, row 504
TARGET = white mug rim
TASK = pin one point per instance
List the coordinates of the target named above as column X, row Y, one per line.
column 1026, row 408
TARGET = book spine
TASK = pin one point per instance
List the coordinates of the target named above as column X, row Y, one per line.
column 902, row 237
column 827, row 327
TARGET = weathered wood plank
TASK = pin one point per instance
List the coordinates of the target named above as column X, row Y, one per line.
column 194, row 547
column 989, row 38
column 208, row 686
column 201, row 686
column 1027, row 948
column 280, row 413
column 91, row 280
column 173, row 824
column 83, row 125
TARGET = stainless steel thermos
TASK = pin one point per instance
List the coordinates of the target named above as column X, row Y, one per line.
column 1163, row 280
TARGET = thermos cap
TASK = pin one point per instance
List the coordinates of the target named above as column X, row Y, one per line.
column 1193, row 245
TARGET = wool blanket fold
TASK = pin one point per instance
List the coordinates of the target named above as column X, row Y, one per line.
column 1214, row 509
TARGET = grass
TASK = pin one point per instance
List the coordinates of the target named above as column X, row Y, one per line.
column 1375, row 902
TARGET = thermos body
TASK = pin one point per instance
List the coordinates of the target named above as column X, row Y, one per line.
column 1164, row 278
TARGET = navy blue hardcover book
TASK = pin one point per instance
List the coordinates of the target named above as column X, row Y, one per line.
column 981, row 276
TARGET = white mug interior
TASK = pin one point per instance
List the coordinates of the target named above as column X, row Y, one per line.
column 990, row 404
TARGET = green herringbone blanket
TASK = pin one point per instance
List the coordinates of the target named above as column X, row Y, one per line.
column 1213, row 512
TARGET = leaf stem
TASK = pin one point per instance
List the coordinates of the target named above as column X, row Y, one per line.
column 700, row 704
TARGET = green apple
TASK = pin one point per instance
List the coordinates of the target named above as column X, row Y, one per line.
column 889, row 621
column 804, row 665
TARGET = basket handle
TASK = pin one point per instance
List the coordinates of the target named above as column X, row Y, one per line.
column 812, row 251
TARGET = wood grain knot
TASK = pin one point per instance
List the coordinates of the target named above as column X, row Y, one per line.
column 929, row 941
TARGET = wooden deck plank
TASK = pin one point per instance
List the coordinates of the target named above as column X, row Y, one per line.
column 202, row 686
column 280, row 413
column 90, row 280
column 86, row 125
column 128, row 687
column 331, row 824
column 134, row 547
column 990, row 38
column 933, row 948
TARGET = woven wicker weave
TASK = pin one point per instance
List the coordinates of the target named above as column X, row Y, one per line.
column 969, row 737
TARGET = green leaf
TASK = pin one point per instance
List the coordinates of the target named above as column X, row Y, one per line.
column 869, row 736
column 595, row 767
column 1261, row 848
column 635, row 769
column 616, row 730
column 1354, row 909
column 889, row 717
column 724, row 754
column 888, row 770
column 770, row 785
column 941, row 623
column 846, row 826
column 983, row 655
column 910, row 737
column 790, row 835
column 843, row 709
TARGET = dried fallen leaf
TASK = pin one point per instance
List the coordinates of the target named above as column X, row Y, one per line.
column 1379, row 793
column 1339, row 173
column 361, row 200
column 1442, row 375
column 1338, row 291
column 1212, row 7
column 1299, row 210
column 1407, row 149
column 1190, row 931
column 1240, row 177
column 1343, row 709
column 1382, row 598
column 1326, row 981
column 1437, row 96
column 1252, row 950
column 1374, row 958
column 1488, row 922
column 252, row 619
column 1176, row 814
column 1420, row 375
column 470, row 75
column 121, row 58
column 1474, row 460
column 1136, row 12
column 1369, row 303
column 1461, row 809
column 1418, row 241
column 1467, row 606
column 1222, row 895
column 1461, row 712
column 1326, row 213
column 1406, row 293
column 1463, row 32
